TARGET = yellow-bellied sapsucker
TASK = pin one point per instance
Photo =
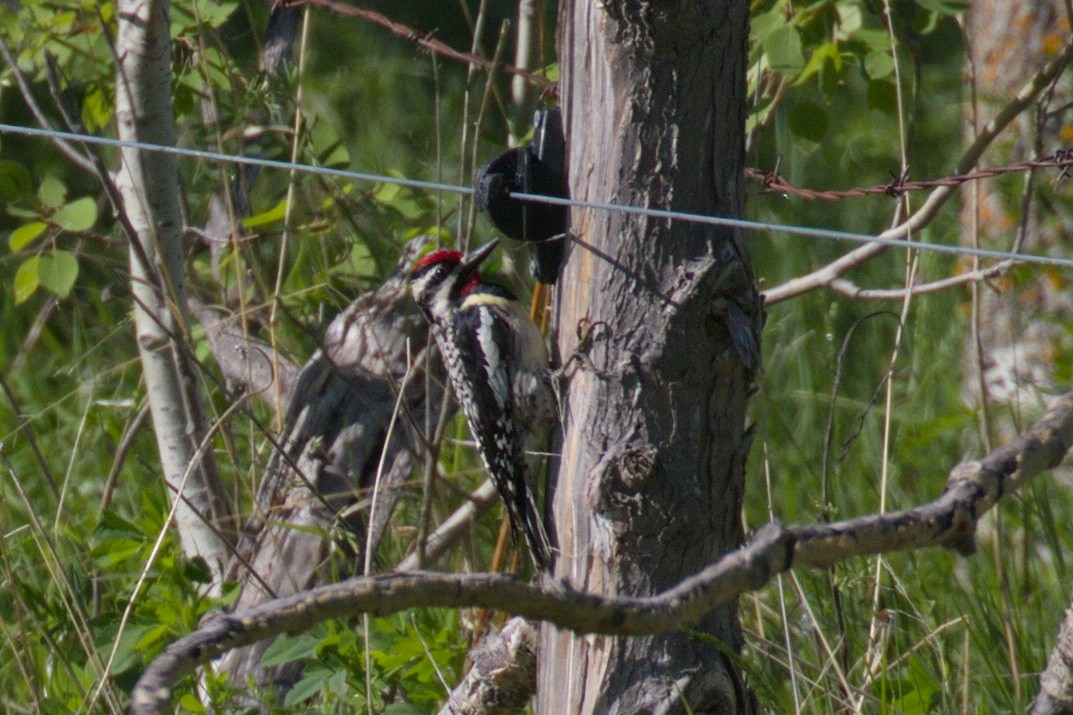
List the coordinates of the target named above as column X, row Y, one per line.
column 498, row 366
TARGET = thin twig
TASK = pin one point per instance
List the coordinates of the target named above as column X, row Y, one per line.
column 80, row 160
column 427, row 41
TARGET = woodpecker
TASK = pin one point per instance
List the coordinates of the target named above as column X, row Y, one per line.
column 499, row 368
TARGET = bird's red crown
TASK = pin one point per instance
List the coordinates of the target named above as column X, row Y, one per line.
column 450, row 257
column 444, row 255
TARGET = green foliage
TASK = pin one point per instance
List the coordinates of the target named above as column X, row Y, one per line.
column 825, row 78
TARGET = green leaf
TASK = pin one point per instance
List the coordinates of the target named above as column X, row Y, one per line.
column 872, row 39
column 404, row 708
column 551, row 71
column 215, row 14
column 784, row 53
column 96, row 109
column 808, row 120
column 52, row 192
column 77, row 216
column 882, row 96
column 189, row 703
column 850, row 17
column 878, row 64
column 112, row 523
column 361, row 260
column 286, row 649
column 305, row 688
column 197, row 570
column 763, row 25
column 15, row 180
column 115, row 551
column 24, row 235
column 328, row 146
column 827, row 52
column 945, row 7
column 57, row 272
column 386, row 193
column 276, row 213
column 26, row 281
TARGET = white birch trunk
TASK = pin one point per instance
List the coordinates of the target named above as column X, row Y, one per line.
column 149, row 184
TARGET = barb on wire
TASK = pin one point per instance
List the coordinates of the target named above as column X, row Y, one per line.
column 665, row 214
column 773, row 183
column 427, row 40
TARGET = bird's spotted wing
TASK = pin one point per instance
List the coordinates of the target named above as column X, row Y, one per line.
column 489, row 408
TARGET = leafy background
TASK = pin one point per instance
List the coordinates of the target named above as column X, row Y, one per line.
column 827, row 79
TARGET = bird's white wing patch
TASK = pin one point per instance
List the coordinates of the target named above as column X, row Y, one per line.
column 496, row 371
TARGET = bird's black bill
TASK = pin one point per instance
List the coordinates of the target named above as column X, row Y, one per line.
column 477, row 256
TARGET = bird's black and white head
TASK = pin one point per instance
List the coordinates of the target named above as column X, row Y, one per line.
column 440, row 279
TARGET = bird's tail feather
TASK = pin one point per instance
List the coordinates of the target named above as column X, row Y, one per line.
column 535, row 534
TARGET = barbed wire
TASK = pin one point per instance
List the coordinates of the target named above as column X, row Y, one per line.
column 665, row 214
column 773, row 182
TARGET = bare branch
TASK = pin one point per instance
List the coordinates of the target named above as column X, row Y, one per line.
column 454, row 527
column 246, row 362
column 852, row 290
column 503, row 677
column 949, row 521
column 1056, row 682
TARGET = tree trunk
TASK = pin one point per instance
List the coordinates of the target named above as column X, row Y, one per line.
column 149, row 184
column 654, row 442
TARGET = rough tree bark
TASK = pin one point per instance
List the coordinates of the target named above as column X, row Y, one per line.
column 654, row 440
column 149, row 185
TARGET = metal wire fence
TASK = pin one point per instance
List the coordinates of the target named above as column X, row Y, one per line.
column 743, row 224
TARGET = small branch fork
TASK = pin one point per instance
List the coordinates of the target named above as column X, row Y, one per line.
column 949, row 521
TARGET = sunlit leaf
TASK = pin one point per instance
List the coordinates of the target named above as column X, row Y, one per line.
column 96, row 109
column 784, row 53
column 57, row 271
column 276, row 213
column 189, row 703
column 26, row 281
column 52, row 192
column 827, row 52
column 24, row 235
column 77, row 216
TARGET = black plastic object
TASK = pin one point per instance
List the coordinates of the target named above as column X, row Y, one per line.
column 537, row 168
